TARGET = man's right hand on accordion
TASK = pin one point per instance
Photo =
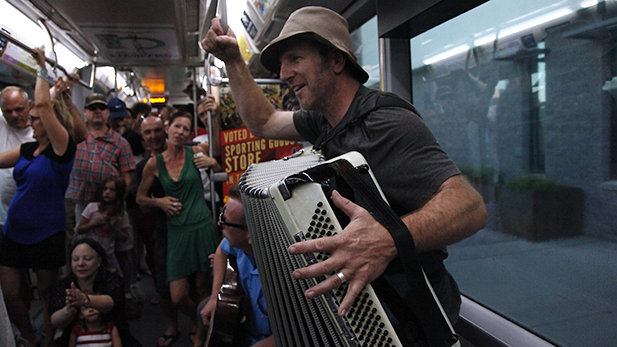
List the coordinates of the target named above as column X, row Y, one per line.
column 363, row 250
column 361, row 253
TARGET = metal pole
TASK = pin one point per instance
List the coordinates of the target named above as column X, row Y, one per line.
column 195, row 100
column 30, row 50
column 210, row 140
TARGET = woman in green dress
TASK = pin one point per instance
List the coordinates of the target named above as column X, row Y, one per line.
column 192, row 234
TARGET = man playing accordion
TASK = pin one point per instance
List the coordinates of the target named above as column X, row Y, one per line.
column 314, row 56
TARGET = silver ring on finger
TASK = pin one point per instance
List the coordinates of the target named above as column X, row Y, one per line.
column 341, row 276
column 175, row 204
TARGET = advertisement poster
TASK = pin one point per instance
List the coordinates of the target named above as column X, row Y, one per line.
column 239, row 148
column 17, row 56
column 3, row 43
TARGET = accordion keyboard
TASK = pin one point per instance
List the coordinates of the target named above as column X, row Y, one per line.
column 275, row 223
column 366, row 318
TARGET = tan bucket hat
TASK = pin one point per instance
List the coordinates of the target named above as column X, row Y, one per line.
column 317, row 23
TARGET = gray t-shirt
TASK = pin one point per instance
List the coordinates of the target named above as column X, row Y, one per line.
column 407, row 162
column 404, row 155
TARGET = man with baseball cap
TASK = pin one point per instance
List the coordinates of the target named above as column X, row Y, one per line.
column 104, row 153
column 117, row 108
column 313, row 54
column 95, row 99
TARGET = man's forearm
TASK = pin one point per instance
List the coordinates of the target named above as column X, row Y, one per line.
column 80, row 131
column 253, row 106
column 456, row 212
column 219, row 266
column 128, row 179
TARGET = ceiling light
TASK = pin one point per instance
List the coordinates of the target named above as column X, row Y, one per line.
column 447, row 54
column 534, row 22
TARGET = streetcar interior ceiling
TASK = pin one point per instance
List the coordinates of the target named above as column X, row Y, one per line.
column 156, row 43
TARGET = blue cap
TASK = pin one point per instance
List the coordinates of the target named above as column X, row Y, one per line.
column 117, row 108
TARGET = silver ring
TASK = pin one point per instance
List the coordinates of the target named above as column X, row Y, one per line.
column 175, row 204
column 341, row 276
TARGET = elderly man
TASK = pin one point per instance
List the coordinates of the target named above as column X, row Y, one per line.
column 14, row 131
column 314, row 56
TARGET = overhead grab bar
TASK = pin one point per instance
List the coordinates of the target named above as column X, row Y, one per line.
column 30, row 50
column 42, row 23
column 26, row 48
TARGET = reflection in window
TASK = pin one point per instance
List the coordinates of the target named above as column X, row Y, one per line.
column 522, row 95
column 366, row 49
column 537, row 116
column 613, row 125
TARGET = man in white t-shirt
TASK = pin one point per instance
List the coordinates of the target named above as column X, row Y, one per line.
column 14, row 131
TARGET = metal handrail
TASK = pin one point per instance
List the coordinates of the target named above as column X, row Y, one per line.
column 26, row 48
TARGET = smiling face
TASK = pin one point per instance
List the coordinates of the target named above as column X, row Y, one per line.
column 179, row 131
column 153, row 133
column 85, row 262
column 307, row 73
column 34, row 121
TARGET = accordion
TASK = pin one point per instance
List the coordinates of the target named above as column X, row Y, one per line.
column 287, row 201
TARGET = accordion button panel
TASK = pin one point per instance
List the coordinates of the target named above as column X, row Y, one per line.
column 366, row 323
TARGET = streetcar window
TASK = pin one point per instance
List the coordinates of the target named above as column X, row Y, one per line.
column 522, row 95
column 30, row 33
column 366, row 48
column 20, row 26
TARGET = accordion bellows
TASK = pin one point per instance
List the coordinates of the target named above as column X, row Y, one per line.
column 277, row 218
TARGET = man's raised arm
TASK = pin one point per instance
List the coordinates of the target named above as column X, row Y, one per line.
column 254, row 108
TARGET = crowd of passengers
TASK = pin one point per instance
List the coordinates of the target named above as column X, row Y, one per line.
column 87, row 205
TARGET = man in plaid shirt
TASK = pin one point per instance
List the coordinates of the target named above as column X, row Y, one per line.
column 104, row 153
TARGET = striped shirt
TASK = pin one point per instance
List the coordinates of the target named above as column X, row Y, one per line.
column 100, row 338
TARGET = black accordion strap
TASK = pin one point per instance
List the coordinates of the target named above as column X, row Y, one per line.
column 386, row 100
column 436, row 329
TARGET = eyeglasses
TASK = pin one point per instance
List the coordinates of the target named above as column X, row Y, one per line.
column 33, row 118
column 99, row 107
column 231, row 225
